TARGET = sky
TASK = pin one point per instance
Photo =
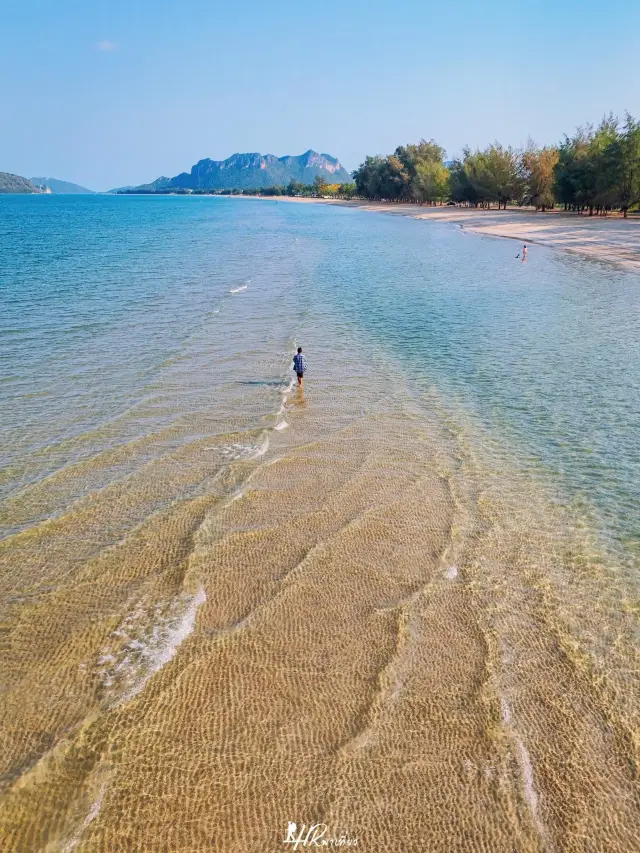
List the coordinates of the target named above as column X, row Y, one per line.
column 107, row 93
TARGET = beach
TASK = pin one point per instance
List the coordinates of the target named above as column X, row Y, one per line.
column 612, row 238
column 395, row 610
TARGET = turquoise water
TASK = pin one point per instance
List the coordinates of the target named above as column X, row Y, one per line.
column 545, row 355
column 118, row 317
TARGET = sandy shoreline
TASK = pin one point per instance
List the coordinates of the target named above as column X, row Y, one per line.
column 605, row 239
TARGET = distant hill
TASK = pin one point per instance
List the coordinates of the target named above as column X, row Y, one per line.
column 16, row 184
column 247, row 171
column 60, row 187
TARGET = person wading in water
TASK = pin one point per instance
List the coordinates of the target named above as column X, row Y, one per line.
column 299, row 365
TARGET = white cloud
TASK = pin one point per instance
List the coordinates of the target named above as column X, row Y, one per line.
column 107, row 45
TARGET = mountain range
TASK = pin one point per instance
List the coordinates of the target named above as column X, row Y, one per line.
column 60, row 187
column 17, row 184
column 247, row 171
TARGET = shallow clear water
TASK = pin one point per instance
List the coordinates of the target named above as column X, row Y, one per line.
column 546, row 355
column 145, row 370
column 103, row 297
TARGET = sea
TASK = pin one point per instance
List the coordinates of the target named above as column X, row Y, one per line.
column 399, row 605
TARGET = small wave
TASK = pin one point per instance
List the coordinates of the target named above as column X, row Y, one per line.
column 240, row 287
column 91, row 816
column 262, row 449
column 263, row 383
column 236, row 451
column 143, row 652
column 528, row 788
column 285, row 396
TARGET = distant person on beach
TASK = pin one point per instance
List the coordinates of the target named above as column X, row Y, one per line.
column 524, row 252
column 299, row 365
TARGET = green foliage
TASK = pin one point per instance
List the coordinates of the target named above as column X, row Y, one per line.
column 366, row 177
column 347, row 190
column 461, row 190
column 319, row 184
column 538, row 166
column 431, row 182
column 600, row 169
column 620, row 168
column 417, row 173
column 494, row 174
column 411, row 173
column 296, row 188
column 595, row 169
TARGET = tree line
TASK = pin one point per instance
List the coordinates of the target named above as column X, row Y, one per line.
column 319, row 188
column 596, row 169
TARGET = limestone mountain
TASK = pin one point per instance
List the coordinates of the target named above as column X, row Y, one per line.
column 246, row 171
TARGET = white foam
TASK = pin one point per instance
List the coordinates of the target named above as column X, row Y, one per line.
column 282, row 425
column 505, row 711
column 95, row 807
column 524, row 760
column 233, row 452
column 530, row 794
column 239, row 289
column 285, row 396
column 262, row 449
column 451, row 573
column 173, row 638
column 146, row 652
column 91, row 816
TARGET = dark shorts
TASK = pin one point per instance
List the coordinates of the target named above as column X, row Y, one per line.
column 299, row 375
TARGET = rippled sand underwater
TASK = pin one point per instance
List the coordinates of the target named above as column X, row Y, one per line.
column 348, row 608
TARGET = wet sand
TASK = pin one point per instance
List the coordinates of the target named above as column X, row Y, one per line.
column 612, row 239
column 362, row 634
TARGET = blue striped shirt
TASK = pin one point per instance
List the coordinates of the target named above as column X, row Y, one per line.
column 299, row 363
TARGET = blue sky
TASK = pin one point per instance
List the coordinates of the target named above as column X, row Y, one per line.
column 107, row 93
